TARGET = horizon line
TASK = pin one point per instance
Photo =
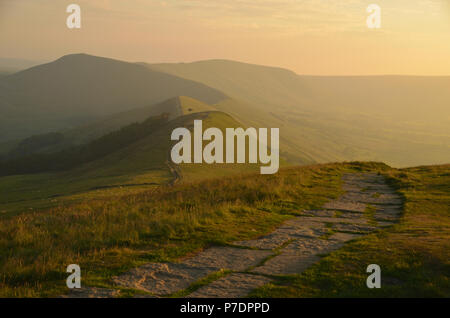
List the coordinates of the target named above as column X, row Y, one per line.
column 46, row 61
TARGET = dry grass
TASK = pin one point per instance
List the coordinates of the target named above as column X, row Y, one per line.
column 110, row 235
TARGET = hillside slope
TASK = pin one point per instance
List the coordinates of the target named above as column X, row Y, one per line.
column 256, row 84
column 133, row 158
column 401, row 120
column 56, row 141
column 173, row 107
column 411, row 97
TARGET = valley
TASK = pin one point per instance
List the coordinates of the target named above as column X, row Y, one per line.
column 321, row 119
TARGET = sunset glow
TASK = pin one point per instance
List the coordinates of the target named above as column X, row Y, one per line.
column 309, row 37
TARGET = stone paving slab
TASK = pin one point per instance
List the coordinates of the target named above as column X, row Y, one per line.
column 307, row 219
column 344, row 237
column 233, row 285
column 287, row 264
column 323, row 213
column 301, row 254
column 352, row 227
column 92, row 292
column 295, row 228
column 345, row 206
column 309, row 246
column 162, row 278
column 236, row 259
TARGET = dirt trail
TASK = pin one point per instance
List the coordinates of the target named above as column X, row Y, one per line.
column 367, row 205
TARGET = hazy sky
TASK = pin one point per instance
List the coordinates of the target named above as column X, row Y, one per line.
column 306, row 36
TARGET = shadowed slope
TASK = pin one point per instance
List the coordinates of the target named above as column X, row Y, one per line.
column 52, row 142
column 77, row 88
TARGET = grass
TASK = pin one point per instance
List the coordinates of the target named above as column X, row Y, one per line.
column 369, row 213
column 414, row 255
column 26, row 193
column 107, row 236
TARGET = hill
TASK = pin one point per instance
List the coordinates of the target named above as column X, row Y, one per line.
column 260, row 85
column 4, row 73
column 79, row 88
column 174, row 107
column 401, row 120
column 12, row 65
column 130, row 159
column 410, row 97
column 55, row 141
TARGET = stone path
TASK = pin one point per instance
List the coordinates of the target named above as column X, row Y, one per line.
column 367, row 205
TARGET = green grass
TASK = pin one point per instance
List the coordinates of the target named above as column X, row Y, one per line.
column 107, row 236
column 190, row 105
column 369, row 214
column 414, row 255
column 26, row 193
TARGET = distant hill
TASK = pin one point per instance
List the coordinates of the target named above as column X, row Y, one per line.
column 4, row 73
column 401, row 120
column 256, row 84
column 12, row 65
column 269, row 86
column 79, row 88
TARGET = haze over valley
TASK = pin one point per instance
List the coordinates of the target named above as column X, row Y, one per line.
column 401, row 120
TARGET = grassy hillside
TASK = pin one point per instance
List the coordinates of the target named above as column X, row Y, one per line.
column 57, row 141
column 79, row 88
column 131, row 159
column 174, row 107
column 112, row 234
column 76, row 156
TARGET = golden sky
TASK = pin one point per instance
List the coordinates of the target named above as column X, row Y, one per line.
column 324, row 37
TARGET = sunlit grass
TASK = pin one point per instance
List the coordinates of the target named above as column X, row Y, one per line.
column 414, row 255
column 109, row 235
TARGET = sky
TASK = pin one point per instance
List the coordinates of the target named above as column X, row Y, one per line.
column 317, row 37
